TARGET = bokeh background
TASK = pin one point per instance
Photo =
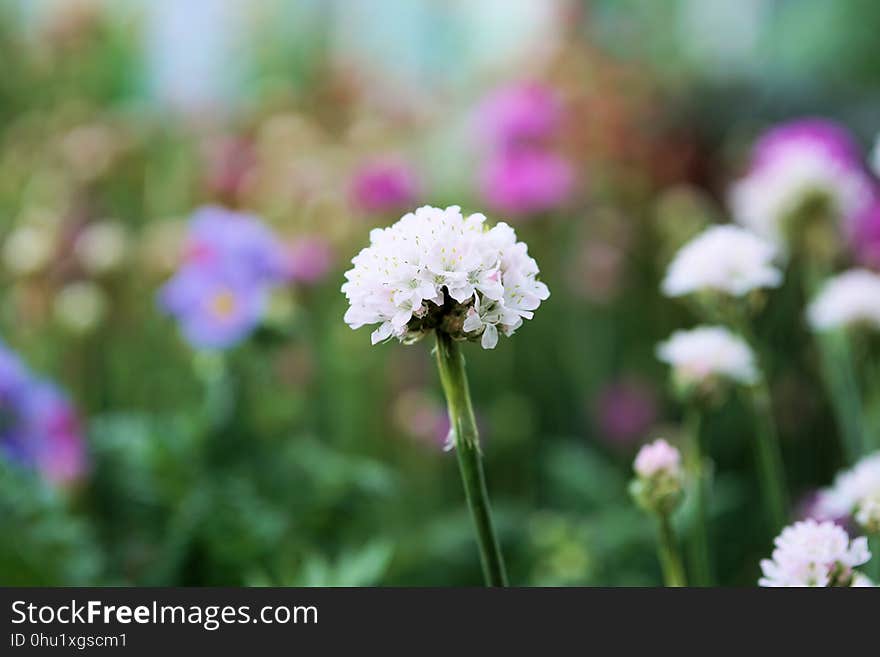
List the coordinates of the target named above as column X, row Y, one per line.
column 304, row 456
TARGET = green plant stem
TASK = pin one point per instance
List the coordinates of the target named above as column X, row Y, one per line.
column 450, row 364
column 698, row 543
column 768, row 454
column 838, row 372
column 872, row 568
column 667, row 548
column 839, row 378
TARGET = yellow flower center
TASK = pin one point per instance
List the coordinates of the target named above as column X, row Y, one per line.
column 223, row 304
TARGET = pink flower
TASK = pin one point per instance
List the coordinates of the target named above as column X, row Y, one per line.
column 823, row 135
column 523, row 112
column 308, row 260
column 384, row 185
column 657, row 457
column 866, row 236
column 526, row 181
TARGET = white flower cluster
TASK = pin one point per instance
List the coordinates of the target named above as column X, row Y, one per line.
column 810, row 553
column 656, row 457
column 726, row 259
column 438, row 269
column 705, row 352
column 855, row 492
column 765, row 197
column 848, row 299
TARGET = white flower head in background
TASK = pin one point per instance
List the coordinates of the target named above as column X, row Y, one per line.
column 80, row 306
column 794, row 164
column 868, row 514
column 102, row 246
column 28, row 249
column 848, row 299
column 439, row 269
column 726, row 259
column 706, row 353
column 855, row 492
column 810, row 553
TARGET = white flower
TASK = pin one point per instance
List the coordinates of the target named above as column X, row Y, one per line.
column 101, row 246
column 767, row 195
column 80, row 306
column 655, row 457
column 861, row 581
column 847, row 299
column 433, row 265
column 28, row 249
column 809, row 553
column 708, row 351
column 726, row 259
column 868, row 514
column 853, row 490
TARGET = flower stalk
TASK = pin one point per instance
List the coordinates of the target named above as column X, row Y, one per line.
column 667, row 550
column 838, row 372
column 768, row 452
column 699, row 554
column 450, row 363
column 769, row 457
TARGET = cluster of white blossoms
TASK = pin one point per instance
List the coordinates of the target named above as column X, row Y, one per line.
column 726, row 259
column 810, row 553
column 438, row 269
column 848, row 299
column 855, row 492
column 768, row 195
column 708, row 352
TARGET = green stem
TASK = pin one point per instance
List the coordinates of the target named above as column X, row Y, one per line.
column 768, row 453
column 450, row 363
column 698, row 543
column 769, row 456
column 872, row 568
column 839, row 377
column 670, row 559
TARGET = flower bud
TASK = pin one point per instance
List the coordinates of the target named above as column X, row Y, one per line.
column 659, row 481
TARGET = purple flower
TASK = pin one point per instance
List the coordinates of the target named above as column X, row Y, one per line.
column 53, row 426
column 38, row 426
column 822, row 135
column 308, row 260
column 526, row 181
column 222, row 239
column 865, row 240
column 13, row 379
column 216, row 307
column 231, row 261
column 626, row 410
column 384, row 185
column 523, row 112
